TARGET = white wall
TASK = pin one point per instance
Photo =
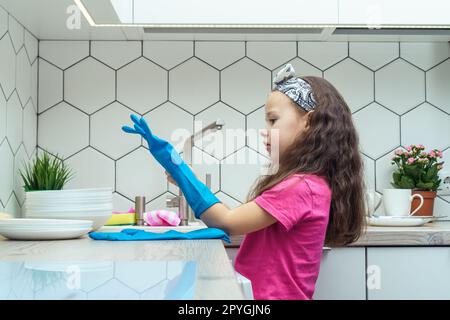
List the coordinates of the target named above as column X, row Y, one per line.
column 399, row 94
column 18, row 107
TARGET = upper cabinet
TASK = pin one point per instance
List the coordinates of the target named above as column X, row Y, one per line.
column 391, row 13
column 262, row 13
column 206, row 12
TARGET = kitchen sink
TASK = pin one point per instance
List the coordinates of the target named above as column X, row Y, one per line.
column 195, row 225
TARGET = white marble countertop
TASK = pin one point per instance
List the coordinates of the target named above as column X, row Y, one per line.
column 214, row 276
column 431, row 234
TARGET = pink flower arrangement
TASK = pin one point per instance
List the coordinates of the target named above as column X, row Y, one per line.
column 416, row 168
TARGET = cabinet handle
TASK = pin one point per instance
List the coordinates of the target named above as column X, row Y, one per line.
column 326, row 248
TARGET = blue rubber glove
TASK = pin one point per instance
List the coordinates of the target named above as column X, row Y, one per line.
column 197, row 194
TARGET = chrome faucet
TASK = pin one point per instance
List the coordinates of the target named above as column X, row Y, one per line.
column 184, row 210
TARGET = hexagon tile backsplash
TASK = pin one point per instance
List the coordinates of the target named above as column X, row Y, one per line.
column 399, row 94
column 18, row 108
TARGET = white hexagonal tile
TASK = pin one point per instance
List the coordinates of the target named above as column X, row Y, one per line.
column 302, row 68
column 34, row 84
column 399, row 86
column 139, row 174
column 330, row 53
column 353, row 81
column 92, row 170
column 194, row 85
column 3, row 22
column 89, row 85
column 177, row 130
column 20, row 158
column 425, row 54
column 63, row 130
column 2, row 116
column 245, row 164
column 63, row 53
column 374, row 55
column 141, row 85
column 14, row 122
column 438, row 86
column 378, row 130
column 441, row 207
column 220, row 54
column 256, row 124
column 249, row 92
column 13, row 207
column 264, row 53
column 31, row 44
column 16, row 31
column 384, row 170
column 113, row 290
column 222, row 142
column 168, row 53
column 23, row 76
column 116, row 53
column 106, row 133
column 7, row 172
column 369, row 171
column 227, row 200
column 154, row 271
column 120, row 203
column 426, row 125
column 202, row 164
column 7, row 65
column 29, row 128
column 159, row 203
column 50, row 85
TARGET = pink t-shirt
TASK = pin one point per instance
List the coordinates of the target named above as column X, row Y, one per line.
column 282, row 261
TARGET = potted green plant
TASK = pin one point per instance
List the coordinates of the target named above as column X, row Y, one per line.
column 418, row 170
column 45, row 173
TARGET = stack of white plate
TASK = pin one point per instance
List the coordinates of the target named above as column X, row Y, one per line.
column 43, row 229
column 73, row 204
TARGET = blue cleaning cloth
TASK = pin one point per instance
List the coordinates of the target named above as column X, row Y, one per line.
column 138, row 234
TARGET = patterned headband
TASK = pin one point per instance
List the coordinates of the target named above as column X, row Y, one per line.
column 295, row 88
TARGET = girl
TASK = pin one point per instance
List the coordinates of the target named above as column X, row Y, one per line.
column 315, row 196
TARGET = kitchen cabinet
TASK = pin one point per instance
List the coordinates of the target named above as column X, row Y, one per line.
column 342, row 275
column 409, row 272
column 385, row 12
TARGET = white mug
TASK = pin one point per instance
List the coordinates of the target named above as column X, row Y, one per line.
column 373, row 201
column 397, row 202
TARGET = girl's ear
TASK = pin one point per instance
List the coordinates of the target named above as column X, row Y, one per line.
column 308, row 117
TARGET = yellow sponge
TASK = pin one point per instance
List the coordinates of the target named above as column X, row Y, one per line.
column 118, row 219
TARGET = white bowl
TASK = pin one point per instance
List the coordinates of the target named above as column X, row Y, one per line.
column 98, row 218
column 104, row 207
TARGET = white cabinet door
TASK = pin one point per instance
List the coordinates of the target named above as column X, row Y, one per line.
column 235, row 12
column 342, row 275
column 408, row 273
column 388, row 12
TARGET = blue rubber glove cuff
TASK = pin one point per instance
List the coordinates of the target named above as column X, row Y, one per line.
column 197, row 194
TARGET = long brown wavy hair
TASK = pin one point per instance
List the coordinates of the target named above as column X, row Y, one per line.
column 329, row 148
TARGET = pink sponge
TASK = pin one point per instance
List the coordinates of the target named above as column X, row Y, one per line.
column 161, row 218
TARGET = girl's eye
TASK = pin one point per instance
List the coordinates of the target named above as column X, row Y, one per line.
column 272, row 121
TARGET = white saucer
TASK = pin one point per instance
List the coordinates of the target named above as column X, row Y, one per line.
column 400, row 221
